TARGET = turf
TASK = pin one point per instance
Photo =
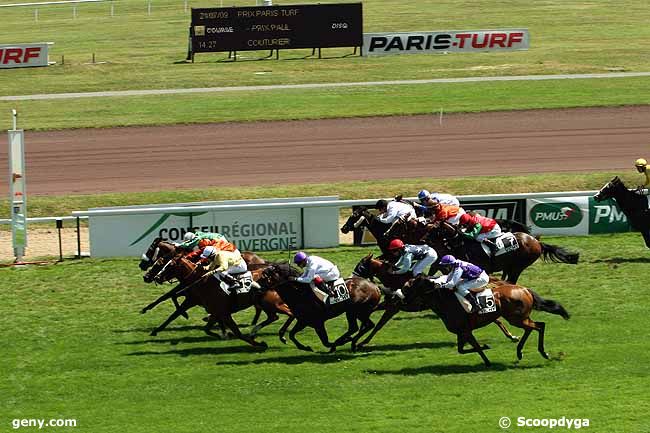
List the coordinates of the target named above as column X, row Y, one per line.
column 76, row 347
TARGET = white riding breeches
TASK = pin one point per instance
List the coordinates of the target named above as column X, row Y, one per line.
column 465, row 285
column 423, row 265
column 496, row 231
column 237, row 269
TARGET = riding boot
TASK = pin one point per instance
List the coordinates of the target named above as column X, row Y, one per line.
column 472, row 300
column 232, row 285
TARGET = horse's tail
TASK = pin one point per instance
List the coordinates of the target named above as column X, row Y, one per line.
column 558, row 254
column 548, row 305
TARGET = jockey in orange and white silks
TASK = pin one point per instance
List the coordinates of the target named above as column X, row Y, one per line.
column 428, row 200
column 446, row 212
column 221, row 244
column 642, row 167
column 394, row 210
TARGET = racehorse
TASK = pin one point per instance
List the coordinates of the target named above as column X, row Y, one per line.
column 198, row 292
column 634, row 206
column 446, row 238
column 157, row 255
column 514, row 303
column 364, row 296
column 369, row 268
column 361, row 217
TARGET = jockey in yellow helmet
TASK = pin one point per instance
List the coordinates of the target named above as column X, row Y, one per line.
column 642, row 167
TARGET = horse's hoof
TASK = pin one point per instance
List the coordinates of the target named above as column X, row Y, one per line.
column 519, row 356
column 488, row 364
column 307, row 349
column 144, row 310
column 353, row 347
column 514, row 339
column 185, row 315
column 283, row 340
column 261, row 345
column 545, row 355
column 153, row 333
column 485, row 347
column 205, row 319
column 332, row 349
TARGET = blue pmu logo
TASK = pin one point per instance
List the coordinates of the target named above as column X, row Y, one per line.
column 162, row 220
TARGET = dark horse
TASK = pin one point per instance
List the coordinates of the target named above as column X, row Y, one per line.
column 361, row 217
column 369, row 268
column 206, row 291
column 633, row 205
column 446, row 238
column 309, row 311
column 159, row 253
column 514, row 303
column 384, row 233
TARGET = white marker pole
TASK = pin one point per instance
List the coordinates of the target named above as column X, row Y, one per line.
column 17, row 189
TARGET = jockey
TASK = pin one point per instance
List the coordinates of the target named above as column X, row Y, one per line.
column 463, row 277
column 428, row 200
column 221, row 244
column 414, row 258
column 317, row 270
column 642, row 167
column 191, row 239
column 223, row 263
column 394, row 211
column 480, row 228
column 446, row 212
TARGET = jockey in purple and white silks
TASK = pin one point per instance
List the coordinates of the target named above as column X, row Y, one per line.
column 463, row 277
column 393, row 210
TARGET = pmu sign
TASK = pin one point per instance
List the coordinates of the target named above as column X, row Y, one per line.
column 24, row 55
column 377, row 44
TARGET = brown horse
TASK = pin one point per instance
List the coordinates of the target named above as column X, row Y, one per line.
column 514, row 303
column 633, row 205
column 446, row 238
column 370, row 268
column 206, row 291
column 309, row 311
column 159, row 253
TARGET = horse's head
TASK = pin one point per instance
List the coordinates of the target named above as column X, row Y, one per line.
column 421, row 286
column 608, row 191
column 176, row 268
column 276, row 274
column 158, row 248
column 359, row 217
column 362, row 269
column 153, row 271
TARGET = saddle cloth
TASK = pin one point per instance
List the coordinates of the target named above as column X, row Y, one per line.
column 338, row 289
column 485, row 299
column 505, row 243
column 243, row 285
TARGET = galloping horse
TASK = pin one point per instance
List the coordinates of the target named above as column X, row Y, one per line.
column 159, row 253
column 634, row 206
column 362, row 218
column 446, row 238
column 369, row 268
column 309, row 311
column 269, row 300
column 514, row 303
column 219, row 304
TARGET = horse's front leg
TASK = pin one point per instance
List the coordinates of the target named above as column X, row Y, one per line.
column 186, row 305
column 299, row 326
column 353, row 327
column 164, row 297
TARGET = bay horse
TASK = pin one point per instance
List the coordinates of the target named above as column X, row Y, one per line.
column 446, row 238
column 206, row 291
column 309, row 311
column 369, row 268
column 361, row 217
column 513, row 302
column 633, row 205
column 160, row 253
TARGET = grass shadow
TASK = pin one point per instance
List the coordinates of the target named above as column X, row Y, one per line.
column 173, row 341
column 409, row 346
column 197, row 351
column 168, row 329
column 619, row 260
column 445, row 370
column 312, row 358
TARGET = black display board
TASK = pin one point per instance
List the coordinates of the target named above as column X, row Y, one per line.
column 276, row 27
